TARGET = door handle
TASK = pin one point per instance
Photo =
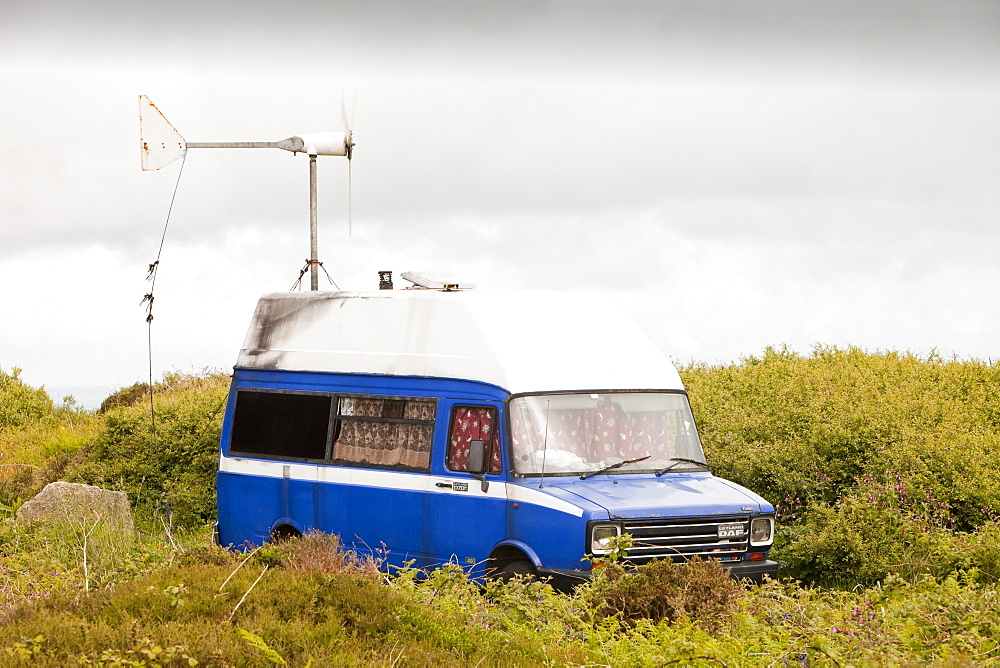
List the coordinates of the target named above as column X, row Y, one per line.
column 456, row 486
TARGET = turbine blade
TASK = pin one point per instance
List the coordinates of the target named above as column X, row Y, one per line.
column 343, row 115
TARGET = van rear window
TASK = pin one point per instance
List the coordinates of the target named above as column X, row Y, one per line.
column 279, row 424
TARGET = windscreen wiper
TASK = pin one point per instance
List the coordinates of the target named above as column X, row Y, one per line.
column 681, row 460
column 616, row 465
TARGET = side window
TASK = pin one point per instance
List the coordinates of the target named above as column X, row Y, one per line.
column 472, row 423
column 276, row 424
column 383, row 431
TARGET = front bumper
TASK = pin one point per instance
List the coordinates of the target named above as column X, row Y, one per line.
column 754, row 571
column 563, row 580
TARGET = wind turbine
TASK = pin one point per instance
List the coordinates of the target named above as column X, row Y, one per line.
column 160, row 144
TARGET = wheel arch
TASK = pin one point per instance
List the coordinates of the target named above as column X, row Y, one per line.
column 510, row 551
column 284, row 528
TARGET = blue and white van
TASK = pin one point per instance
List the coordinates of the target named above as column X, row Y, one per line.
column 506, row 431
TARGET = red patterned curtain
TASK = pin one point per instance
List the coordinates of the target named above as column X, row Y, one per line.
column 649, row 435
column 473, row 423
column 594, row 434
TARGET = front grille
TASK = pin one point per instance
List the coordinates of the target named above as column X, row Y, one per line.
column 680, row 538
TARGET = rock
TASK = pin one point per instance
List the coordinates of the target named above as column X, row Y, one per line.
column 70, row 502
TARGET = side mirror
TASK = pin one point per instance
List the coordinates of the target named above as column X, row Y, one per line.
column 477, row 457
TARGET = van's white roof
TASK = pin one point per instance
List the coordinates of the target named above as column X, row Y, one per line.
column 522, row 341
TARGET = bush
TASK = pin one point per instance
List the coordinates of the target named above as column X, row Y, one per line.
column 127, row 396
column 700, row 590
column 169, row 471
column 854, row 449
column 857, row 541
column 20, row 403
column 808, row 428
column 37, row 442
column 217, row 614
column 315, row 552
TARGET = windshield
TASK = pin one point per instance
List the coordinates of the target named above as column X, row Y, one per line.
column 580, row 433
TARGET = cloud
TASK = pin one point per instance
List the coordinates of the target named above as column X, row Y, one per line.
column 737, row 173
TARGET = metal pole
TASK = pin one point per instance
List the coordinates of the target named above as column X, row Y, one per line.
column 232, row 144
column 313, row 234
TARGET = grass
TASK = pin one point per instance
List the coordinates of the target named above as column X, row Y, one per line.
column 305, row 602
column 318, row 605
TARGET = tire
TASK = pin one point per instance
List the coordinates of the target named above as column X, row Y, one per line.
column 521, row 568
column 283, row 533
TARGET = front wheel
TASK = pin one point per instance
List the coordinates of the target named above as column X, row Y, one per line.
column 284, row 532
column 522, row 568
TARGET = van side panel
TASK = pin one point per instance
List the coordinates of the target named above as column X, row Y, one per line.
column 384, row 515
column 535, row 511
column 250, row 507
column 396, row 514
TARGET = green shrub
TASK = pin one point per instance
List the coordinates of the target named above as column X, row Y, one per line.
column 20, row 403
column 37, row 442
column 881, row 465
column 699, row 590
column 823, row 435
column 127, row 396
column 857, row 541
column 170, row 471
column 811, row 426
column 315, row 552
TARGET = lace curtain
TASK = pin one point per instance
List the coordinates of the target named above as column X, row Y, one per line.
column 381, row 441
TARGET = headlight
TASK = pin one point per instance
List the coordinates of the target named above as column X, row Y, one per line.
column 601, row 536
column 761, row 530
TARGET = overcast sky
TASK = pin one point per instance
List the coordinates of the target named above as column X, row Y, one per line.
column 737, row 174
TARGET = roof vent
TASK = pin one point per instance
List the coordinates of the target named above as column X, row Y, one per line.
column 434, row 281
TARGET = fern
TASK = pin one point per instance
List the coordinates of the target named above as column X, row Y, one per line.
column 257, row 642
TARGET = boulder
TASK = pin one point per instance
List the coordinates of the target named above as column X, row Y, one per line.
column 70, row 502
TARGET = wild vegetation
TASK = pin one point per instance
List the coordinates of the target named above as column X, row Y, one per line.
column 878, row 462
column 165, row 460
column 882, row 466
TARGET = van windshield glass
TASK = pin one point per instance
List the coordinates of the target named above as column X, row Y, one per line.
column 581, row 433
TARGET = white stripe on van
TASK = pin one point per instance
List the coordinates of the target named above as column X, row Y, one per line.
column 396, row 480
column 523, row 494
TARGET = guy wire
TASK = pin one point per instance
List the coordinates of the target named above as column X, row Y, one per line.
column 148, row 298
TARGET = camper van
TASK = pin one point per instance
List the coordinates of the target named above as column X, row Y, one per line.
column 510, row 432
